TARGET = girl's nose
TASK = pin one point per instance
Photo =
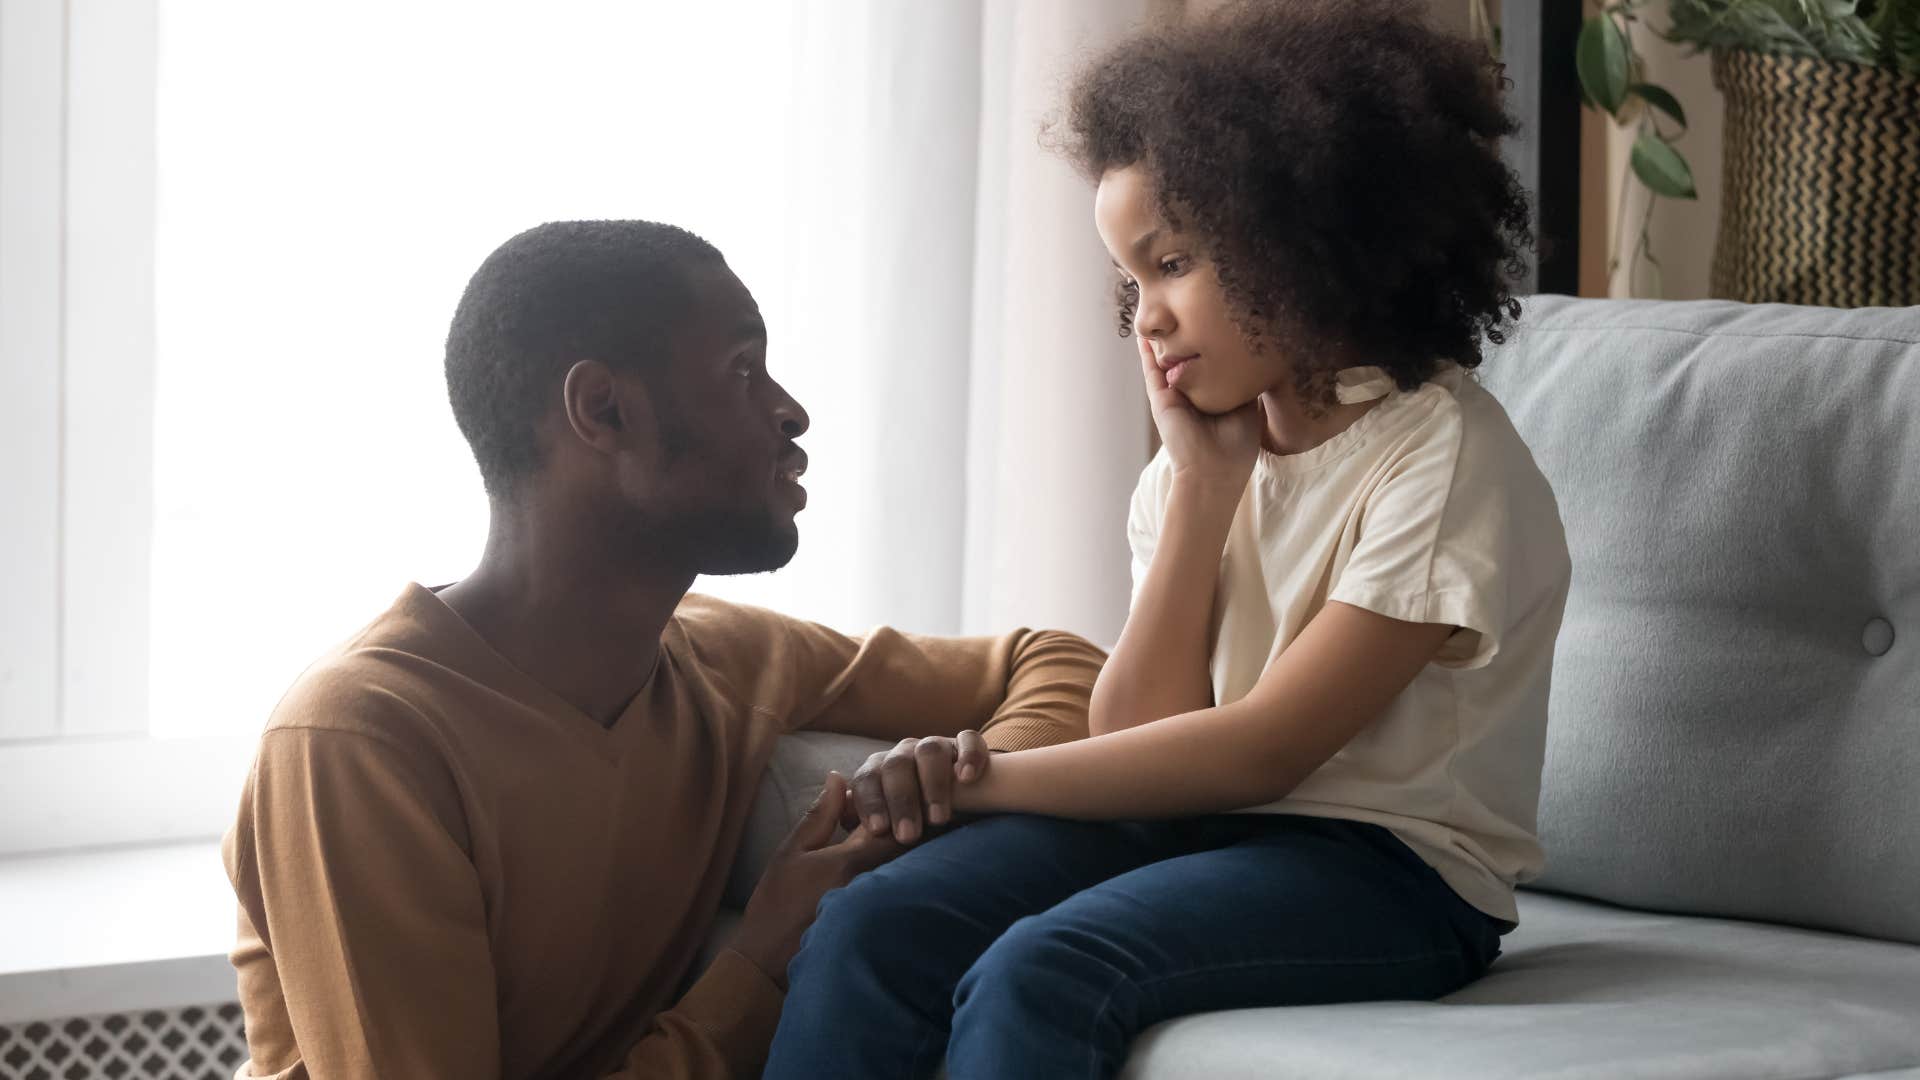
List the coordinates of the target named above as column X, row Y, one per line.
column 1153, row 318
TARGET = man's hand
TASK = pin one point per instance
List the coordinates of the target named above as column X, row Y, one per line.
column 901, row 790
column 805, row 867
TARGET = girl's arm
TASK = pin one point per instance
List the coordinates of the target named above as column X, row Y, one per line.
column 1336, row 678
column 1159, row 666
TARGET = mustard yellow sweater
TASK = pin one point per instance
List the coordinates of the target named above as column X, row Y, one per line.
column 445, row 871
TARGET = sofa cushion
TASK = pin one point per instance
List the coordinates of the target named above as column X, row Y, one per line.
column 1735, row 715
column 1586, row 990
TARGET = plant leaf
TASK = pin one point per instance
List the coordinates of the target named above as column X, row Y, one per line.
column 1659, row 98
column 1834, row 29
column 1661, row 168
column 1600, row 59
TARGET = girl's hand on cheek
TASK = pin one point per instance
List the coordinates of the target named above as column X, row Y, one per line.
column 1216, row 451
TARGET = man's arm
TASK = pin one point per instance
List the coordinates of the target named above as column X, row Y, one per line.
column 1020, row 690
column 352, row 882
column 947, row 701
column 350, row 864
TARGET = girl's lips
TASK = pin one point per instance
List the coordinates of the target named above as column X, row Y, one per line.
column 1176, row 366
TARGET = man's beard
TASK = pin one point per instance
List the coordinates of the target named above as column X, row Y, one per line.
column 717, row 541
column 750, row 543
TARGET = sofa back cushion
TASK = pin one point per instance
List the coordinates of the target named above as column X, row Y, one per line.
column 1735, row 717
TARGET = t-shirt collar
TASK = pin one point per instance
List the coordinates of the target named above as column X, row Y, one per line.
column 1361, row 384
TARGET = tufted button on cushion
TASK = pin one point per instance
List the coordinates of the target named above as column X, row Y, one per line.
column 1877, row 637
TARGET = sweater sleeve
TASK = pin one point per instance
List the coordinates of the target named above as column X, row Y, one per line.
column 353, row 879
column 721, row 1028
column 1022, row 689
column 350, row 865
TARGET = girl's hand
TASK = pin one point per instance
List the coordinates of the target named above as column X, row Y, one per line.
column 1213, row 450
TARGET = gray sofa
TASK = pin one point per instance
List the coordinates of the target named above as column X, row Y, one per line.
column 1732, row 786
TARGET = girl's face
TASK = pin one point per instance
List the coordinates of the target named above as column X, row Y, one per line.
column 1180, row 309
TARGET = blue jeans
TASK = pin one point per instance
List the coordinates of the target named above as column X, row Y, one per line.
column 1026, row 946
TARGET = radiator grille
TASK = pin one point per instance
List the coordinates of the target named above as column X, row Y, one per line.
column 199, row 1042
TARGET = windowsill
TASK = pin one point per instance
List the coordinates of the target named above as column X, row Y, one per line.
column 114, row 930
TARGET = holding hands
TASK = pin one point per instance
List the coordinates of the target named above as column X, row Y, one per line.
column 890, row 802
column 904, row 790
column 807, row 866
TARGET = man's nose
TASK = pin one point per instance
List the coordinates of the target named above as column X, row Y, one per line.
column 793, row 419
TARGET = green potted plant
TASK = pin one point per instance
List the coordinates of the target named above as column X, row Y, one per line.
column 1821, row 203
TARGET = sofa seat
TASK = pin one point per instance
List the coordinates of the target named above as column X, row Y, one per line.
column 1586, row 990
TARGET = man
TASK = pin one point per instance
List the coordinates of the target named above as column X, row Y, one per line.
column 486, row 836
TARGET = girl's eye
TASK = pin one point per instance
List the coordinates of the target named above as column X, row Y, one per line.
column 1173, row 265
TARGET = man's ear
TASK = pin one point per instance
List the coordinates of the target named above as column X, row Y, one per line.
column 602, row 409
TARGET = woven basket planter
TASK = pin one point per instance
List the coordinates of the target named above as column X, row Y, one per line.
column 1821, row 192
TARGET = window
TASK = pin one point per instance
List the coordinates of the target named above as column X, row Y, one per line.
column 325, row 187
column 231, row 441
column 232, row 235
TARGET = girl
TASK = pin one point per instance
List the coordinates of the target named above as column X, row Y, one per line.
column 1318, row 741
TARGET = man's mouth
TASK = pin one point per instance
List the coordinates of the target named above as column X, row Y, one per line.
column 792, row 466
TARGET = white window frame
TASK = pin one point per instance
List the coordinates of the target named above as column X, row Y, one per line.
column 77, row 216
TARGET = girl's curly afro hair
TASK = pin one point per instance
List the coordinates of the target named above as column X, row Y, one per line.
column 1339, row 162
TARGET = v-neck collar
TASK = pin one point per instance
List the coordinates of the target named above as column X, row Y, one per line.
column 472, row 656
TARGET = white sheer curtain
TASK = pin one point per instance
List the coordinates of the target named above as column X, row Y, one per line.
column 998, row 425
column 936, row 295
column 1059, row 427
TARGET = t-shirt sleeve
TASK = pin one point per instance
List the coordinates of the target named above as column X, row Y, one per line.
column 1433, row 545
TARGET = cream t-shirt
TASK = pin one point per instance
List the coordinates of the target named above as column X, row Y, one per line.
column 1428, row 508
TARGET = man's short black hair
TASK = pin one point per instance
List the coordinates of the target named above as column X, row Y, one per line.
column 559, row 293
